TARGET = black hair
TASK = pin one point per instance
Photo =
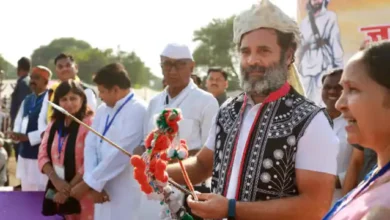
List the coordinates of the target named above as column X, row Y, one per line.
column 111, row 75
column 376, row 58
column 62, row 90
column 198, row 81
column 286, row 41
column 63, row 56
column 218, row 69
column 332, row 72
column 24, row 64
column 309, row 6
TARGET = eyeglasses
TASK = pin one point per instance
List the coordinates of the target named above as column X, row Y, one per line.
column 168, row 65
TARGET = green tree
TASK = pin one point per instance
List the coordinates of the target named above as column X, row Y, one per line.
column 45, row 55
column 216, row 48
column 8, row 68
column 140, row 75
column 90, row 59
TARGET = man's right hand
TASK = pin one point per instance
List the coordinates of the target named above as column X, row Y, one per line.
column 62, row 186
column 99, row 197
column 12, row 135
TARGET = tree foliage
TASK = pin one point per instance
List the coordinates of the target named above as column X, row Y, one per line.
column 8, row 68
column 216, row 48
column 90, row 59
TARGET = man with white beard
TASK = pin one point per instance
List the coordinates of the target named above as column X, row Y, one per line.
column 271, row 152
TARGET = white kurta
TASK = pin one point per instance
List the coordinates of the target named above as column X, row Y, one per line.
column 106, row 168
column 42, row 121
column 345, row 152
column 198, row 109
column 27, row 170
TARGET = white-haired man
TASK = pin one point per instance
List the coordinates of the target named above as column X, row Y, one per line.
column 197, row 106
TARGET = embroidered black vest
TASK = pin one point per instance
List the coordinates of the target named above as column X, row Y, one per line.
column 268, row 165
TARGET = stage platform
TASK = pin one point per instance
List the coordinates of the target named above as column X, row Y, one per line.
column 16, row 205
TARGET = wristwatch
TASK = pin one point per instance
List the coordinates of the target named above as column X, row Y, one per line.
column 232, row 209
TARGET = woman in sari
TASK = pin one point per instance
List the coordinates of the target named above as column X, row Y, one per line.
column 365, row 104
column 61, row 156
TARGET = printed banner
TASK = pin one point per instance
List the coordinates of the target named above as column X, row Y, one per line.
column 332, row 31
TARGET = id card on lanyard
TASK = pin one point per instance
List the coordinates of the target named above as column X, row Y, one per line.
column 110, row 122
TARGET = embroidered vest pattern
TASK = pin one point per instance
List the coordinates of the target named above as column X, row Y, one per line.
column 269, row 164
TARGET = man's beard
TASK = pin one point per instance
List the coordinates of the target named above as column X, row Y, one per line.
column 317, row 7
column 275, row 76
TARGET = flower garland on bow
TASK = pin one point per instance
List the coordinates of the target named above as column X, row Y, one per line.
column 162, row 145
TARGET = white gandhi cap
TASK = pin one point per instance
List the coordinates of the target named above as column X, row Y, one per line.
column 177, row 51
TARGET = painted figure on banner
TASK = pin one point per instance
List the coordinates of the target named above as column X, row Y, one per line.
column 321, row 48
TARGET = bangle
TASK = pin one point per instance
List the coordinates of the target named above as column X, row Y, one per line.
column 232, row 209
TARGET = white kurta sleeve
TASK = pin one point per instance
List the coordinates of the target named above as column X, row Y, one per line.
column 210, row 143
column 115, row 161
column 42, row 118
column 147, row 118
column 209, row 112
column 318, row 147
column 90, row 156
column 18, row 119
column 91, row 99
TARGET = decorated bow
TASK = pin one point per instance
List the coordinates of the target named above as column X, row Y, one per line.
column 150, row 168
column 162, row 145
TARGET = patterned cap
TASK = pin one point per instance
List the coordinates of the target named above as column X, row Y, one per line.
column 264, row 15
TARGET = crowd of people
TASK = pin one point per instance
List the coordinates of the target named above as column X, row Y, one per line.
column 267, row 153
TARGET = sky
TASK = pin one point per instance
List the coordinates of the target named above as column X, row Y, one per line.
column 141, row 26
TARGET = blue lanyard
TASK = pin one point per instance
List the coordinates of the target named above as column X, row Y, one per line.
column 61, row 140
column 340, row 204
column 109, row 123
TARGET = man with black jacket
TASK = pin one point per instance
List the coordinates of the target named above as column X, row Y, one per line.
column 22, row 89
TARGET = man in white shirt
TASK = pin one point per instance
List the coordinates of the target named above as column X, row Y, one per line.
column 198, row 107
column 271, row 152
column 108, row 172
column 66, row 68
column 331, row 92
column 26, row 131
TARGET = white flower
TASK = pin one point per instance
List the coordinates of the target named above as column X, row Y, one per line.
column 291, row 140
column 267, row 163
column 265, row 177
column 278, row 154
